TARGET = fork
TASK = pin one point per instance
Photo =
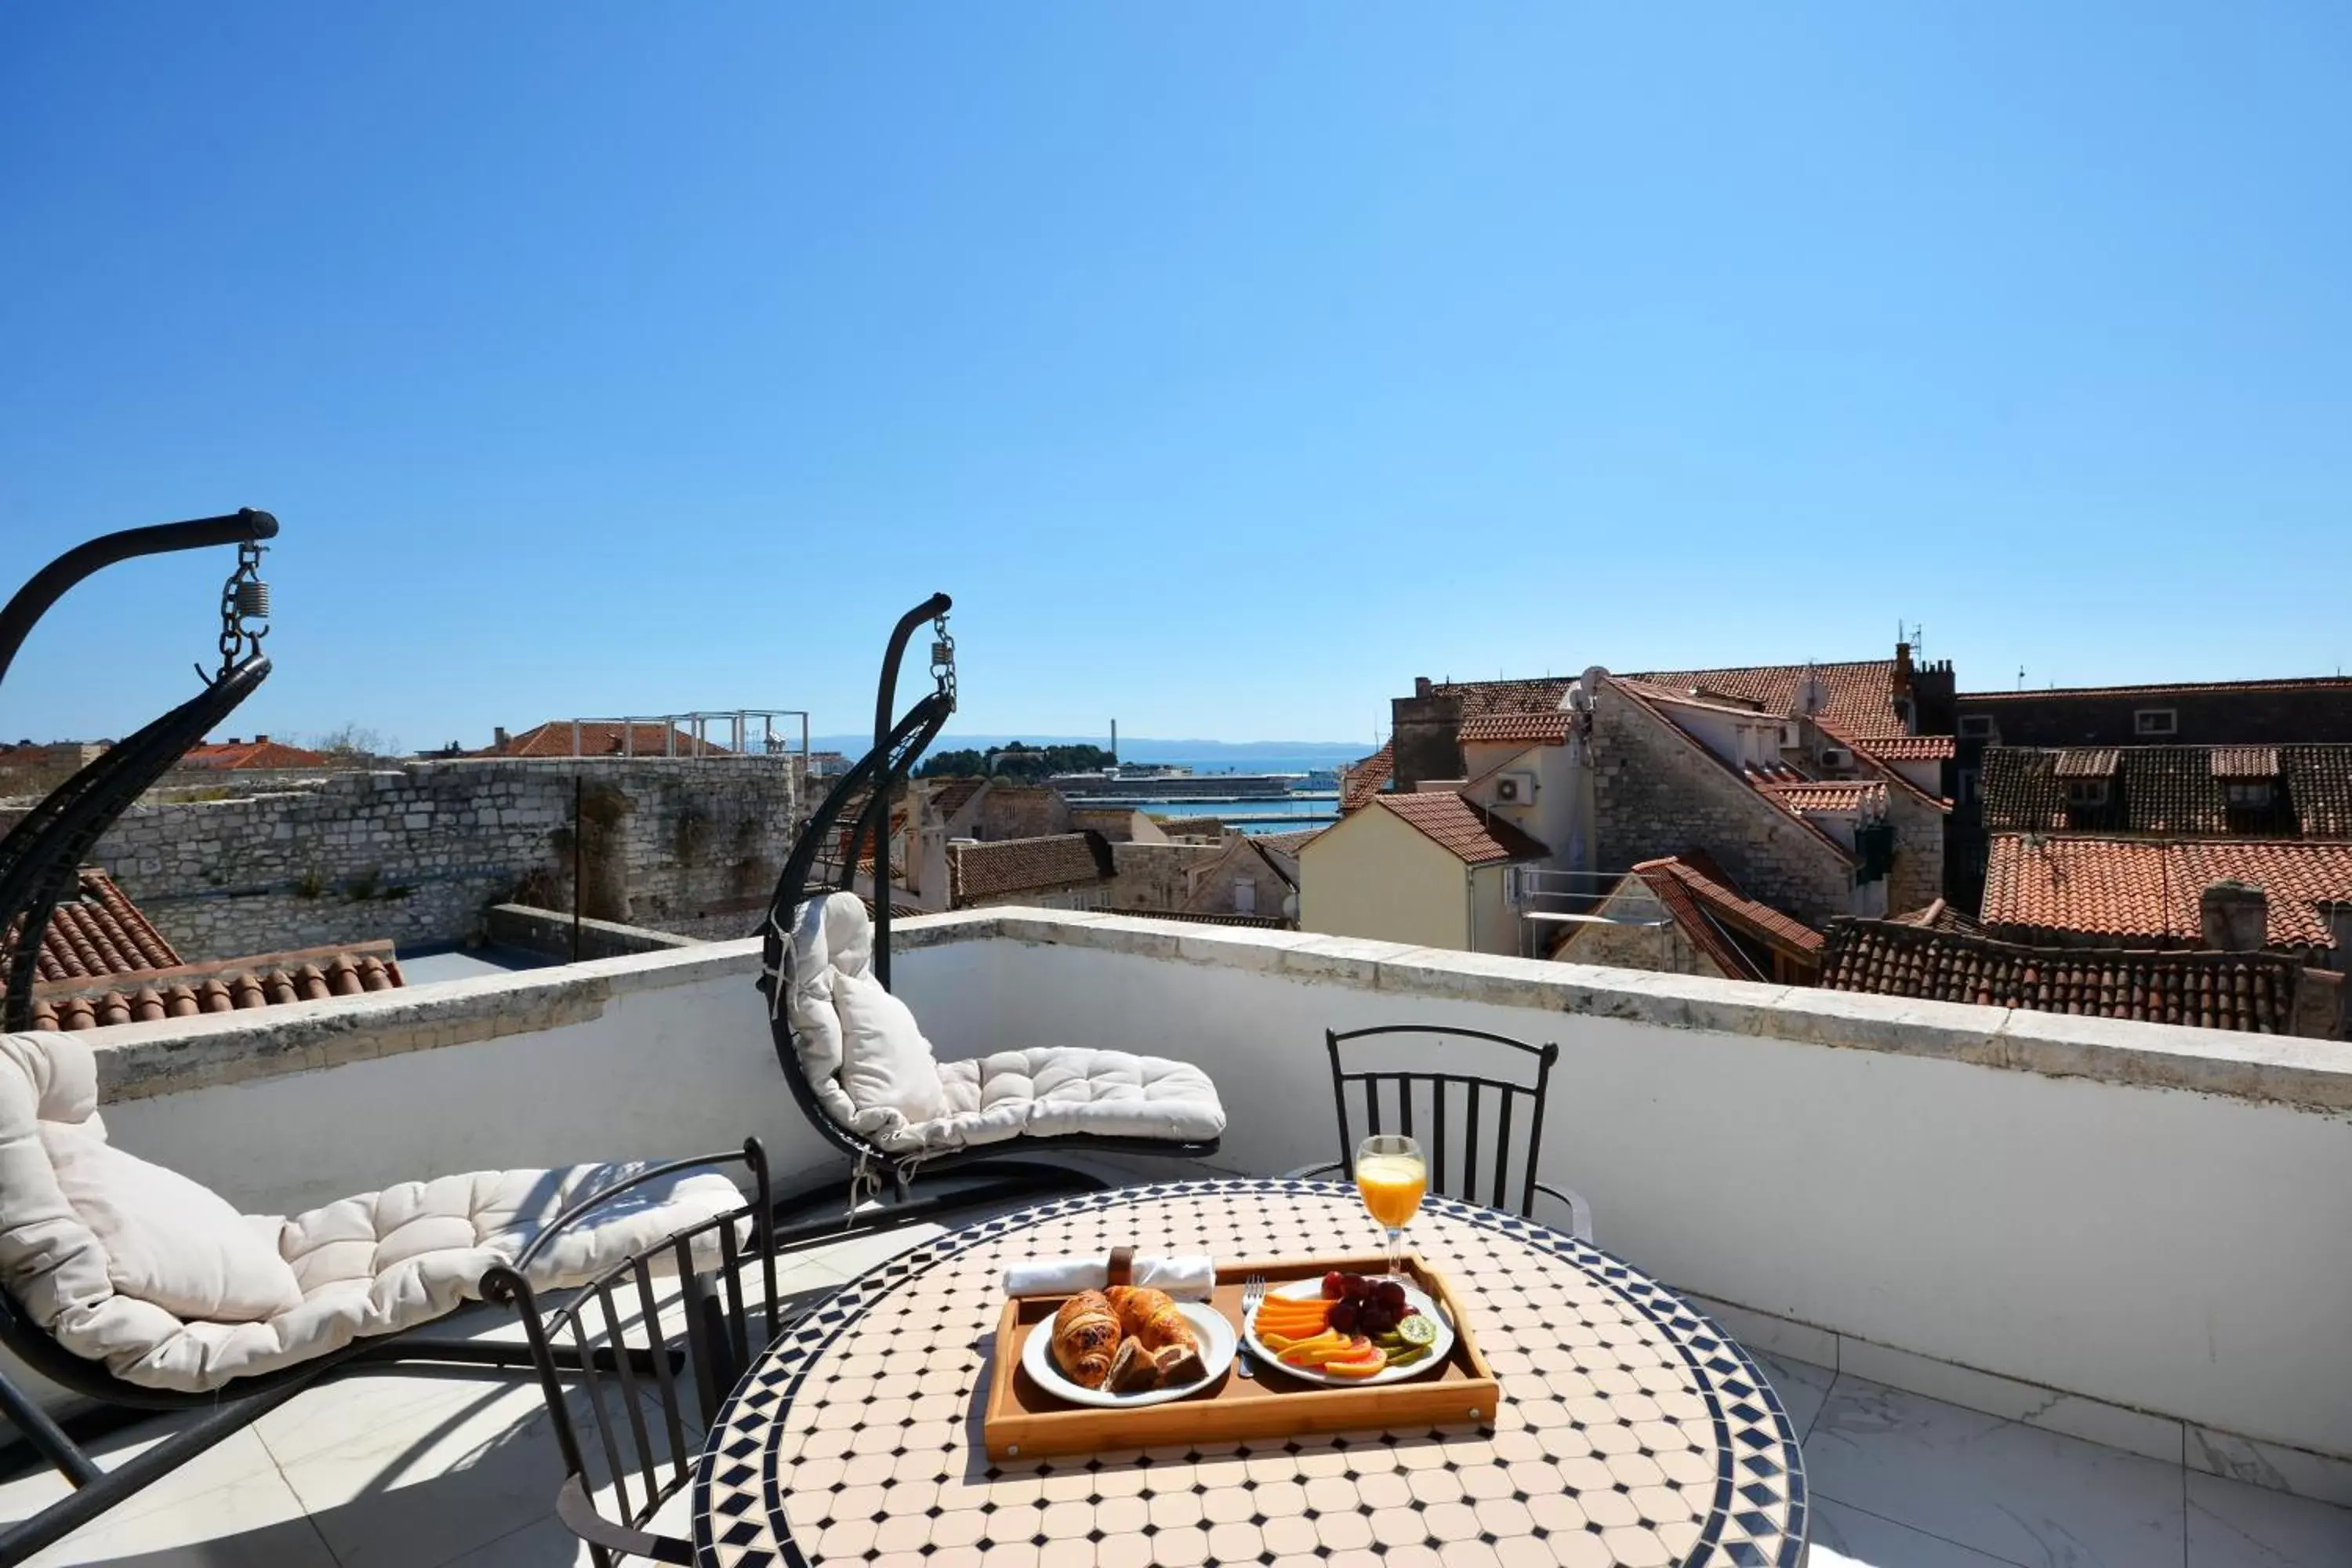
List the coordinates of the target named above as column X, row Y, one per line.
column 1252, row 1297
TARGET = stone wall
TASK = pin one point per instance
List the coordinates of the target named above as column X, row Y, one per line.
column 1022, row 811
column 419, row 853
column 1917, row 879
column 550, row 933
column 1656, row 792
column 1156, row 877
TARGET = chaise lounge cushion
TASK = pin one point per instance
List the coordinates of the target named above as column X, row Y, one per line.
column 370, row 1265
column 877, row 1088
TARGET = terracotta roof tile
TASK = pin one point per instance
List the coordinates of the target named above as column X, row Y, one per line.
column 950, row 795
column 2176, row 791
column 1467, row 831
column 2246, row 991
column 2148, row 888
column 1696, row 893
column 554, row 739
column 1906, row 748
column 2087, row 763
column 2245, row 762
column 261, row 752
column 186, row 990
column 1825, row 796
column 1528, row 729
column 1290, row 843
column 1634, row 692
column 1028, row 865
column 97, row 932
column 1477, row 699
column 1939, row 916
column 1365, row 779
column 1858, row 697
column 2180, row 689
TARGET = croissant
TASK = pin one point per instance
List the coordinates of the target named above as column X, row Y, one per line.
column 1085, row 1334
column 1152, row 1318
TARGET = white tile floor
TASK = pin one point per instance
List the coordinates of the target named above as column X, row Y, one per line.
column 423, row 1470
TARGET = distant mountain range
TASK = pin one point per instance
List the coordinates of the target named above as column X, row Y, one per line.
column 1139, row 748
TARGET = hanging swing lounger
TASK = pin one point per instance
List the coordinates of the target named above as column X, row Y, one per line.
column 856, row 1061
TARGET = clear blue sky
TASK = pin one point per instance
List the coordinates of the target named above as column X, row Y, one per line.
column 1231, row 364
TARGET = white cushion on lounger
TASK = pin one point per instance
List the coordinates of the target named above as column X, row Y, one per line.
column 859, row 1058
column 1050, row 1092
column 370, row 1265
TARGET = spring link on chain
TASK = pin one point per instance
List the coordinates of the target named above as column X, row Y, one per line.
column 245, row 600
column 943, row 669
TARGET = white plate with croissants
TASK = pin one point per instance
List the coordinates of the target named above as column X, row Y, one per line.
column 1128, row 1346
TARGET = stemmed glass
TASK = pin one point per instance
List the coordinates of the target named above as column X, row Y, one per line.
column 1392, row 1176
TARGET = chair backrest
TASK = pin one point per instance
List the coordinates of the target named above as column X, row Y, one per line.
column 1480, row 1136
column 652, row 1367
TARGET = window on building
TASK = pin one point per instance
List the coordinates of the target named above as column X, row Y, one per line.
column 2156, row 722
column 2251, row 794
column 1967, row 782
column 1976, row 727
column 1244, row 896
column 2086, row 792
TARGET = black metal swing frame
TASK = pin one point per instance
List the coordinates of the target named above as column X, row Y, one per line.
column 40, row 860
column 898, row 744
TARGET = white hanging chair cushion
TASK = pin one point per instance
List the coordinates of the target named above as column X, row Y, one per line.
column 871, row 1068
column 1053, row 1091
column 184, row 1313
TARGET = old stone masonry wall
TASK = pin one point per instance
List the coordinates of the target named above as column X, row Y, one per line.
column 420, row 854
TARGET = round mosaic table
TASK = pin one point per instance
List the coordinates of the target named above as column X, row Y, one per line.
column 1631, row 1430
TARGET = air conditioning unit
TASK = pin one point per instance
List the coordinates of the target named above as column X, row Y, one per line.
column 1515, row 789
column 1791, row 737
column 1836, row 757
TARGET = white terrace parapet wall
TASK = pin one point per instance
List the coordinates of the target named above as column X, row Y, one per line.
column 2150, row 1216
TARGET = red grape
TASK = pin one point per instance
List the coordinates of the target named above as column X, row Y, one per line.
column 1358, row 1286
column 1392, row 1296
column 1346, row 1314
column 1335, row 1285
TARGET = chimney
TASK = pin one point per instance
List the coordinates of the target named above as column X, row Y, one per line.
column 2337, row 913
column 2234, row 917
column 1420, row 686
column 261, row 740
column 499, row 737
column 1902, row 670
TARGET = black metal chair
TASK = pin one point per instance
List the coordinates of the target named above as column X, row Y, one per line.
column 822, row 849
column 649, row 1401
column 1464, row 1122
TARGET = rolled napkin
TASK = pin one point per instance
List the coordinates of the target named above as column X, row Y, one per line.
column 1189, row 1276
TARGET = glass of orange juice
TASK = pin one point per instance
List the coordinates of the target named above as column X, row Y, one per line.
column 1392, row 1175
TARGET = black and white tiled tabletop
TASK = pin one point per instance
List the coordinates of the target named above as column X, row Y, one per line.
column 1632, row 1432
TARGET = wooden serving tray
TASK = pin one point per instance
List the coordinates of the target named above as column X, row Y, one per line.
column 1023, row 1420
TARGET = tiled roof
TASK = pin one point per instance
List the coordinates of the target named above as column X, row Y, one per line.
column 1028, row 865
column 1696, row 891
column 2177, row 688
column 1636, row 692
column 554, row 739
column 1684, row 697
column 2087, row 763
column 2177, row 791
column 96, row 934
column 2245, row 762
column 1530, row 728
column 1289, row 844
column 950, row 795
column 1476, row 699
column 1367, row 778
column 2148, row 887
column 1906, row 748
column 182, row 991
column 1939, row 916
column 1468, row 833
column 1858, row 697
column 1826, row 795
column 261, row 752
column 2247, row 991
column 1255, row 922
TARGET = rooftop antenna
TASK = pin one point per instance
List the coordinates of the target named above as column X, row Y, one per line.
column 2021, row 677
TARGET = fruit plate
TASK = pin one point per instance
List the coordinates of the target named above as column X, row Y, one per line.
column 1416, row 1299
column 1217, row 1347
column 1023, row 1418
